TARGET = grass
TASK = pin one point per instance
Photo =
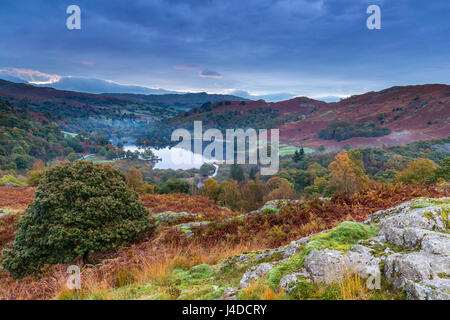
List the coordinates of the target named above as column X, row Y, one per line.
column 9, row 179
column 177, row 273
column 351, row 287
column 287, row 150
column 259, row 290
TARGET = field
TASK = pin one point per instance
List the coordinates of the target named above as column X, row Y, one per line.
column 288, row 150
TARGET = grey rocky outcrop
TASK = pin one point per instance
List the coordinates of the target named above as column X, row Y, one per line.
column 170, row 216
column 254, row 273
column 332, row 265
column 411, row 249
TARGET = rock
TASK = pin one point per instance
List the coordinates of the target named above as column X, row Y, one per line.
column 416, row 266
column 294, row 246
column 2, row 215
column 254, row 273
column 393, row 235
column 187, row 227
column 324, row 265
column 415, row 213
column 412, row 237
column 229, row 294
column 436, row 243
column 170, row 216
column 437, row 289
column 376, row 241
column 279, row 203
column 413, row 243
column 332, row 265
column 287, row 283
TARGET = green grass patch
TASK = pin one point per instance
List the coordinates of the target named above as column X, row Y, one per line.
column 10, row 179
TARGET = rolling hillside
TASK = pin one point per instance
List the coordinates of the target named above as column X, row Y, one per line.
column 394, row 116
column 109, row 115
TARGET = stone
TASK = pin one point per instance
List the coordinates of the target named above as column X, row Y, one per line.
column 254, row 273
column 416, row 266
column 436, row 244
column 332, row 265
column 287, row 283
column 229, row 294
column 170, row 216
column 436, row 289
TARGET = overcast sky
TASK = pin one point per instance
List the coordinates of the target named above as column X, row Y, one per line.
column 314, row 48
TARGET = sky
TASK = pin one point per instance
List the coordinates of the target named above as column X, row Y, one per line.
column 270, row 48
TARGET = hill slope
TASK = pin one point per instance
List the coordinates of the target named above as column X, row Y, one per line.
column 395, row 116
column 114, row 115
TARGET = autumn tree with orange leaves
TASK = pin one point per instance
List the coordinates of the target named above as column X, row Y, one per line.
column 134, row 179
column 347, row 173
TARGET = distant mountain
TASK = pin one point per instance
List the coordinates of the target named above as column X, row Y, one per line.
column 11, row 78
column 100, row 86
column 274, row 97
column 179, row 101
column 40, row 94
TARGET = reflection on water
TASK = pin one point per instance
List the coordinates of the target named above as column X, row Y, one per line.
column 175, row 158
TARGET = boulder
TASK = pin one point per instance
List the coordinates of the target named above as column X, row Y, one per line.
column 332, row 265
column 254, row 273
column 229, row 294
column 287, row 283
column 436, row 289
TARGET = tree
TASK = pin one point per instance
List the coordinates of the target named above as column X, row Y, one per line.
column 252, row 173
column 444, row 171
column 39, row 165
column 37, row 174
column 299, row 155
column 134, row 179
column 279, row 188
column 347, row 173
column 318, row 188
column 420, row 171
column 79, row 208
column 206, row 169
column 237, row 173
column 230, row 195
column 73, row 156
column 210, row 189
column 23, row 162
column 148, row 155
column 252, row 194
column 174, row 186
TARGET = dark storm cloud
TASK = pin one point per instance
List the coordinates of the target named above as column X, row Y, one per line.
column 313, row 47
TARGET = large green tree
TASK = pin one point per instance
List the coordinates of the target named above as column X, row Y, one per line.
column 79, row 208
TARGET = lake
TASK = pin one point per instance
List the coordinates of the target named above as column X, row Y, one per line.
column 175, row 158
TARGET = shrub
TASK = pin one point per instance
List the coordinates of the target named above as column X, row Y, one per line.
column 341, row 130
column 443, row 172
column 79, row 208
column 420, row 171
column 34, row 177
